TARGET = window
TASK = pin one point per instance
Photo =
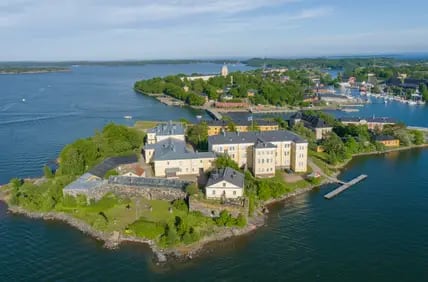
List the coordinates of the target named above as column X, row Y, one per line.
column 200, row 161
column 234, row 193
column 213, row 192
column 224, row 184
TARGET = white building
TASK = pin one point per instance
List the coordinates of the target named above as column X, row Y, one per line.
column 225, row 183
column 164, row 131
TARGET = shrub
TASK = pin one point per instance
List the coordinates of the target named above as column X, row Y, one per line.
column 192, row 189
column 111, row 172
column 180, row 205
column 147, row 229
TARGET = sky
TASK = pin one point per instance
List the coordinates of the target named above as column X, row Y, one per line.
column 49, row 30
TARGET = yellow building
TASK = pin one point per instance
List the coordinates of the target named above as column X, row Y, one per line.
column 388, row 141
column 218, row 127
column 262, row 152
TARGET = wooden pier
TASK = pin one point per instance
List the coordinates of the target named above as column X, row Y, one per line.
column 345, row 186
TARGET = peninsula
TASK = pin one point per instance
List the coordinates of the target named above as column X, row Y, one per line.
column 177, row 186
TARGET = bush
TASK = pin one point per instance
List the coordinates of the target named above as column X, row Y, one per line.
column 192, row 189
column 147, row 229
column 111, row 172
column 241, row 220
column 180, row 205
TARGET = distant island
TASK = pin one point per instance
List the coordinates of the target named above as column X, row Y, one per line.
column 281, row 85
column 32, row 70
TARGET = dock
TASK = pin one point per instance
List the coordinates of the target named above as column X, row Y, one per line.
column 345, row 186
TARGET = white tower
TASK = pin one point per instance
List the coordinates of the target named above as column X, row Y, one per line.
column 224, row 70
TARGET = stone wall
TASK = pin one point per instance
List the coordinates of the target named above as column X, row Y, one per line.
column 213, row 208
column 151, row 193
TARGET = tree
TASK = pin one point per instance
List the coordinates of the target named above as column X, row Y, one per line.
column 198, row 135
column 192, row 189
column 231, row 126
column 47, row 171
column 224, row 161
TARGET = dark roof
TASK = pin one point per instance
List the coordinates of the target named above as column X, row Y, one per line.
column 385, row 138
column 261, row 144
column 310, row 121
column 253, row 136
column 370, row 119
column 407, row 83
column 314, row 121
column 175, row 149
column 226, row 174
column 110, row 163
column 169, row 128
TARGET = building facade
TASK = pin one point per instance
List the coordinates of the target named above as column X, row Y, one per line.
column 388, row 141
column 262, row 151
column 216, row 127
column 171, row 156
column 164, row 131
column 372, row 123
column 225, row 183
column 316, row 124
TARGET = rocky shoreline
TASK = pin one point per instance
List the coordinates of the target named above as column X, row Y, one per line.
column 112, row 240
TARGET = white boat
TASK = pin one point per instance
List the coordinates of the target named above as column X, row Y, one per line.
column 127, row 117
column 420, row 102
column 23, row 100
column 385, row 101
column 198, row 116
column 412, row 103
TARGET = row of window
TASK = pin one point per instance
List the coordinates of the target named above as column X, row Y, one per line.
column 263, row 161
column 224, row 192
column 262, row 169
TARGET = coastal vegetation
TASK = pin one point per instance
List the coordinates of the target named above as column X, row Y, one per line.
column 346, row 141
column 269, row 88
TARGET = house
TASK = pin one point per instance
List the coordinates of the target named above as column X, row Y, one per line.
column 225, row 183
column 372, row 123
column 388, row 141
column 134, row 170
column 164, row 131
column 262, row 152
column 316, row 124
column 216, row 127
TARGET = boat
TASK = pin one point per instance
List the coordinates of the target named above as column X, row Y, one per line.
column 385, row 101
column 412, row 103
column 420, row 102
column 127, row 117
column 198, row 116
column 23, row 100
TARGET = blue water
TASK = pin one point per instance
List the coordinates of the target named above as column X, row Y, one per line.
column 375, row 231
column 61, row 107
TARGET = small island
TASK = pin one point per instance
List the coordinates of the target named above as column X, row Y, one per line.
column 177, row 186
column 32, row 70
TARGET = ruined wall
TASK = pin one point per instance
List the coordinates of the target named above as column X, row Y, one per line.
column 213, row 208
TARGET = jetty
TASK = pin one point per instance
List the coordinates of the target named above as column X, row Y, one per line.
column 345, row 186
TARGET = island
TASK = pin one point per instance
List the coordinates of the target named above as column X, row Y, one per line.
column 286, row 85
column 177, row 186
column 31, row 70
